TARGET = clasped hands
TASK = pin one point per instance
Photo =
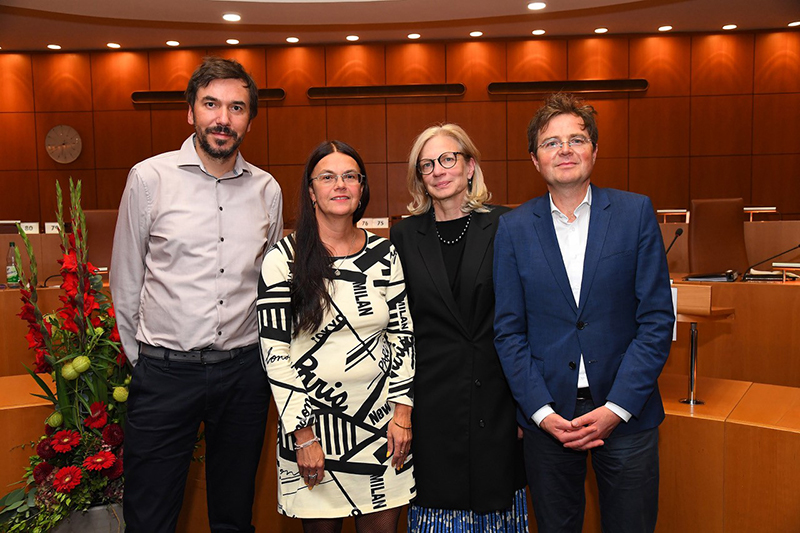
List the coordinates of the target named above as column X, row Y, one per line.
column 585, row 432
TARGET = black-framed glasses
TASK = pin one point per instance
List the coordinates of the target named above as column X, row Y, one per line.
column 446, row 160
column 576, row 143
column 349, row 178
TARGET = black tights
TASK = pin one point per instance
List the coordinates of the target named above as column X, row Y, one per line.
column 377, row 522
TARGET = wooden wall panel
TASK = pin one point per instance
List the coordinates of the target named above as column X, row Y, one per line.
column 62, row 82
column 122, row 138
column 722, row 64
column 255, row 147
column 47, row 191
column 295, row 69
column 476, row 65
column 536, row 60
column 378, row 195
column 170, row 70
column 18, row 133
column 667, row 116
column 612, row 126
column 254, row 61
column 495, row 174
column 404, row 122
column 720, row 177
column 397, row 193
column 775, row 129
column 170, row 127
column 595, row 58
column 362, row 126
column 115, row 75
column 21, row 201
column 355, row 64
column 16, row 91
column 294, row 132
column 775, row 181
column 664, row 61
column 289, row 177
column 82, row 122
column 777, row 62
column 524, row 182
column 415, row 63
column 519, row 115
column 721, row 125
column 485, row 123
column 611, row 172
column 664, row 179
column 110, row 185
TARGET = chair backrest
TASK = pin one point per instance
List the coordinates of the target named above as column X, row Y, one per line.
column 716, row 236
column 100, row 226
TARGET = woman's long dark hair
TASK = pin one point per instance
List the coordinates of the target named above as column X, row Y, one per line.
column 312, row 263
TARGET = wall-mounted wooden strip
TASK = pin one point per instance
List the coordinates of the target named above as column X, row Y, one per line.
column 569, row 86
column 178, row 97
column 386, row 91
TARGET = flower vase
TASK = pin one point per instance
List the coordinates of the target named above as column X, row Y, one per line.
column 97, row 519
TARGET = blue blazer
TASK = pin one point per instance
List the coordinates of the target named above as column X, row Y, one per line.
column 623, row 326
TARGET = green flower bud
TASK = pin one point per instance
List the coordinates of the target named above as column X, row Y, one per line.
column 68, row 372
column 81, row 364
column 121, row 394
column 55, row 419
column 98, row 331
column 127, row 380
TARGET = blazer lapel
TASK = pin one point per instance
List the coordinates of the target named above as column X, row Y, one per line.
column 479, row 239
column 543, row 224
column 598, row 228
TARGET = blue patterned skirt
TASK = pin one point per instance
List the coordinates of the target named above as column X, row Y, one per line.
column 512, row 520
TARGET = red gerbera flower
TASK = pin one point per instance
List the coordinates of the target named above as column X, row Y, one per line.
column 115, row 471
column 41, row 471
column 67, row 478
column 100, row 461
column 113, row 435
column 65, row 440
column 97, row 417
column 45, row 449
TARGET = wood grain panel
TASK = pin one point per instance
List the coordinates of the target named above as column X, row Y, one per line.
column 19, row 134
column 362, row 126
column 536, row 60
column 170, row 127
column 722, row 64
column 485, row 123
column 24, row 424
column 775, row 182
column 16, row 91
column 254, row 61
column 772, row 132
column 404, row 122
column 664, row 179
column 495, row 173
column 597, row 58
column 82, row 122
column 664, row 62
column 415, row 63
column 294, row 132
column 397, row 193
column 110, row 185
column 123, row 138
column 170, row 70
column 295, row 69
column 659, row 127
column 47, row 191
column 355, row 64
column 612, row 126
column 476, row 64
column 289, row 177
column 720, row 177
column 777, row 62
column 255, row 147
column 62, row 82
column 524, row 182
column 721, row 125
column 22, row 205
column 520, row 114
column 378, row 190
column 115, row 75
column 611, row 172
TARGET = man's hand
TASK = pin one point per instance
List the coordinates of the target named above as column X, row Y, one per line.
column 601, row 421
column 564, row 431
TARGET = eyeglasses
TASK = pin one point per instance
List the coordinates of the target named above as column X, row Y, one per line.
column 576, row 143
column 349, row 178
column 446, row 160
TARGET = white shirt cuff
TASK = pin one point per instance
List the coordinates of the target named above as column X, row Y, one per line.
column 539, row 415
column 619, row 411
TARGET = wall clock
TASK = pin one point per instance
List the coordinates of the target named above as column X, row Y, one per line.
column 63, row 144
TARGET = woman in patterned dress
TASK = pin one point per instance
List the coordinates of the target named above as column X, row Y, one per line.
column 337, row 346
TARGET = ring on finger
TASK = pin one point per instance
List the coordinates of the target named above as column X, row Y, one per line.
column 312, row 476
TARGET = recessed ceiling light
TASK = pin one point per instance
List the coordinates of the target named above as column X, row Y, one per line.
column 665, row 28
column 232, row 41
column 536, row 6
column 729, row 27
column 352, row 38
column 538, row 32
column 54, row 46
column 601, row 30
column 232, row 17
column 173, row 43
column 795, row 23
column 475, row 33
column 414, row 35
column 113, row 45
column 292, row 40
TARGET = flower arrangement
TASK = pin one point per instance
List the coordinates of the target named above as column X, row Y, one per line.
column 78, row 460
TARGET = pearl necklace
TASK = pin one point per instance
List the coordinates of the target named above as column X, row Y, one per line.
column 341, row 259
column 454, row 241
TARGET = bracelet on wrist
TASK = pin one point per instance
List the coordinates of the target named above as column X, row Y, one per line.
column 398, row 425
column 306, row 444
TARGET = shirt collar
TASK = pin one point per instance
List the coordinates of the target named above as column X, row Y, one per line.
column 187, row 156
column 587, row 201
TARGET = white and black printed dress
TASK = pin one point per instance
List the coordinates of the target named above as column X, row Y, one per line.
column 344, row 380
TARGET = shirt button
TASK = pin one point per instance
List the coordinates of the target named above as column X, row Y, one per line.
column 477, row 383
column 481, row 423
column 221, row 302
column 220, row 208
column 572, row 365
column 222, row 239
column 581, row 324
column 219, row 333
column 221, row 270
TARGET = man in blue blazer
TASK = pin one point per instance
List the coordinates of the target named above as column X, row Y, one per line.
column 583, row 326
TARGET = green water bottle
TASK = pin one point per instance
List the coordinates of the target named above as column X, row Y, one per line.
column 12, row 270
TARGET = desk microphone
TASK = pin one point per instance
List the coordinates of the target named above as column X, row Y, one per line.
column 678, row 233
column 746, row 272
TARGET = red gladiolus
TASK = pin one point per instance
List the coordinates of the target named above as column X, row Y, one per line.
column 67, row 314
column 115, row 471
column 67, row 478
column 42, row 366
column 64, row 441
column 70, row 262
column 113, row 435
column 41, row 471
column 45, row 449
column 121, row 357
column 100, row 461
column 70, row 284
column 97, row 417
column 27, row 312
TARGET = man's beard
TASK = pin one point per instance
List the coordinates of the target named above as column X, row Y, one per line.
column 218, row 153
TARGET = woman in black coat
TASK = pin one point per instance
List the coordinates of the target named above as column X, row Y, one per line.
column 466, row 451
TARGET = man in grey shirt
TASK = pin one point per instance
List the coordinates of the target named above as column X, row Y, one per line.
column 193, row 227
